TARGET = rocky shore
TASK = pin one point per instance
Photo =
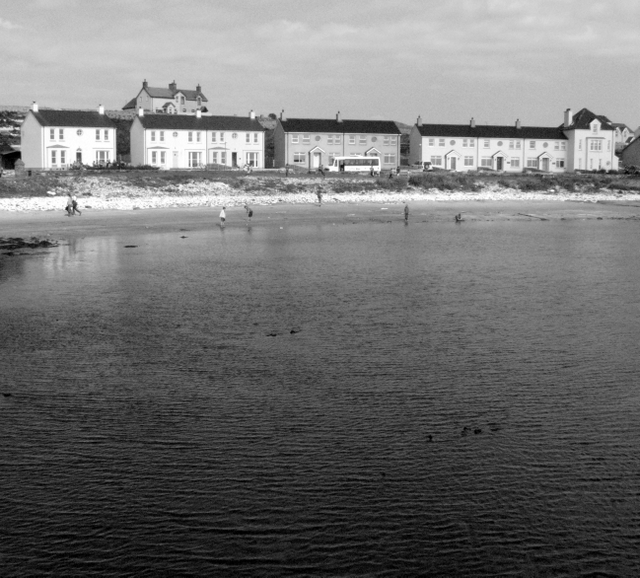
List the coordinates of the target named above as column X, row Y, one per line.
column 97, row 194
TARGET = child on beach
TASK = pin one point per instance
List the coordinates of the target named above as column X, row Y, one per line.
column 69, row 205
column 74, row 205
column 223, row 217
column 249, row 214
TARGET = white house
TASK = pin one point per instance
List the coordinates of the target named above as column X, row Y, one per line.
column 583, row 142
column 55, row 139
column 172, row 100
column 181, row 141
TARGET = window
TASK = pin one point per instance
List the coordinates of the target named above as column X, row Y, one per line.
column 595, row 128
column 389, row 159
column 595, row 145
column 247, row 138
column 223, row 158
column 252, row 159
column 468, row 161
column 198, row 136
column 255, row 138
column 486, row 144
column 54, row 158
column 515, row 144
column 97, row 134
column 338, row 139
column 440, row 142
column 213, row 138
column 580, row 145
column 161, row 136
column 295, row 138
column 106, row 135
column 63, row 158
column 532, row 144
column 299, row 158
column 60, row 134
column 190, row 136
column 154, row 157
column 363, row 139
column 194, row 159
column 222, row 137
column 556, row 145
column 52, row 134
column 432, row 142
column 436, row 161
column 306, row 138
column 153, row 136
column 468, row 143
column 515, row 163
column 486, row 162
column 560, row 163
column 532, row 163
column 102, row 157
column 352, row 139
column 330, row 139
column 608, row 145
column 389, row 140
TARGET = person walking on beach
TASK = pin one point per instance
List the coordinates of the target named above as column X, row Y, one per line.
column 69, row 205
column 286, row 170
column 319, row 195
column 321, row 170
column 223, row 217
column 74, row 205
column 249, row 214
column 406, row 213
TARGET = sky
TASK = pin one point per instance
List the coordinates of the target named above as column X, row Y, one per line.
column 447, row 61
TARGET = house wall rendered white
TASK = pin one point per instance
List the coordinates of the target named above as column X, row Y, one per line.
column 31, row 140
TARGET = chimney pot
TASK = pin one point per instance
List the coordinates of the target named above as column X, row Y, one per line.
column 198, row 113
column 145, row 84
column 472, row 123
column 140, row 112
column 252, row 115
column 34, row 106
column 568, row 118
column 338, row 117
column 419, row 121
column 282, row 116
column 100, row 109
column 518, row 125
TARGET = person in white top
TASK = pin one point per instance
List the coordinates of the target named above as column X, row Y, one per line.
column 223, row 217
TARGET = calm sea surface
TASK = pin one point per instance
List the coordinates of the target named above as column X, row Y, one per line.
column 324, row 400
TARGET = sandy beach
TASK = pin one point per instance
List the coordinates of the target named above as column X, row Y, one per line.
column 57, row 225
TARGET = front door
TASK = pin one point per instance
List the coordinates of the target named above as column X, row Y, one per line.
column 453, row 163
column 545, row 164
column 499, row 163
column 317, row 157
column 79, row 157
column 234, row 160
column 175, row 159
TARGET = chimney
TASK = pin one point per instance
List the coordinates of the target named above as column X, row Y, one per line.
column 252, row 115
column 419, row 121
column 198, row 89
column 568, row 118
column 34, row 106
column 173, row 86
column 141, row 112
column 100, row 109
column 472, row 122
column 338, row 117
column 282, row 116
column 198, row 113
column 145, row 84
column 518, row 125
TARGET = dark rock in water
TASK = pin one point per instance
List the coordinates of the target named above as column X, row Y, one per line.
column 130, row 246
column 477, row 431
column 294, row 331
column 7, row 394
column 183, row 237
column 272, row 334
column 11, row 243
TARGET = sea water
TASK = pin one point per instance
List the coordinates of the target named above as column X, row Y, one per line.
column 368, row 399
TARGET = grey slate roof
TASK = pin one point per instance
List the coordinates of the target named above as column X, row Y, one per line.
column 192, row 122
column 155, row 92
column 582, row 118
column 491, row 131
column 84, row 118
column 321, row 125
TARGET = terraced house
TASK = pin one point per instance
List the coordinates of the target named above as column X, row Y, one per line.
column 583, row 142
column 56, row 139
column 193, row 141
column 310, row 142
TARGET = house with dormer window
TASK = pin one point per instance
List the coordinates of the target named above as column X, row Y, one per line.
column 172, row 100
column 582, row 142
column 311, row 142
column 56, row 139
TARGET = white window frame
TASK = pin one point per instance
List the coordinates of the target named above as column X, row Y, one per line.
column 194, row 159
column 515, row 162
column 431, row 142
column 295, row 138
column 468, row 161
column 352, row 139
column 299, row 158
column 389, row 159
column 306, row 138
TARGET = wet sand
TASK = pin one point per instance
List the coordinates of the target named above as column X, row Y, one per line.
column 106, row 222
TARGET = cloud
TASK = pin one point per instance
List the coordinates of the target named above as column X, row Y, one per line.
column 8, row 25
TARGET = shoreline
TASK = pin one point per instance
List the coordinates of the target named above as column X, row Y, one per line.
column 108, row 222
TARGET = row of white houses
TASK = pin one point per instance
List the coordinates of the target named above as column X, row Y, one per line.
column 56, row 139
